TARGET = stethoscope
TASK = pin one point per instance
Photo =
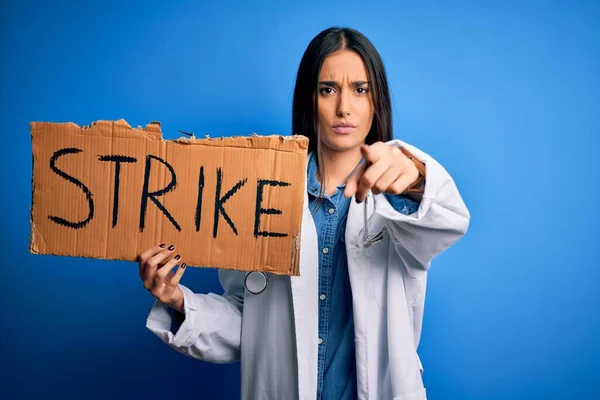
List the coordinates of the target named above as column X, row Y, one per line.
column 257, row 281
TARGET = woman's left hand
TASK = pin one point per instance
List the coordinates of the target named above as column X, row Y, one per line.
column 385, row 170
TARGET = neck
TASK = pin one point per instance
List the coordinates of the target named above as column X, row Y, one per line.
column 337, row 165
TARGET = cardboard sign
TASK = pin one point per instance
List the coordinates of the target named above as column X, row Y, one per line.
column 111, row 191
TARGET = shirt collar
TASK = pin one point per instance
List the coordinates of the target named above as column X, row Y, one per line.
column 313, row 186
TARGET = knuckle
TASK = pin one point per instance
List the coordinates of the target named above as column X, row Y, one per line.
column 396, row 187
column 368, row 181
column 380, row 187
column 160, row 270
column 160, row 275
column 415, row 172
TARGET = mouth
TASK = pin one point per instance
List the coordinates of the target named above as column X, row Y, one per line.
column 344, row 128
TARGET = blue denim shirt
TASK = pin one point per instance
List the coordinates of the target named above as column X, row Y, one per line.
column 336, row 374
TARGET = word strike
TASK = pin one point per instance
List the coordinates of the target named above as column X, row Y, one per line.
column 147, row 196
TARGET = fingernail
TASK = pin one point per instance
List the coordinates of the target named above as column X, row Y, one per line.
column 162, row 246
column 183, row 265
column 177, row 257
column 171, row 247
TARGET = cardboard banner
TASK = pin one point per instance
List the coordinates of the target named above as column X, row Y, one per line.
column 111, row 191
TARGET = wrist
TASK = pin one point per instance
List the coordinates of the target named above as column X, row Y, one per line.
column 177, row 303
column 418, row 186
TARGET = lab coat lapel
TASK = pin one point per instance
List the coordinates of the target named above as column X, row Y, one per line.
column 306, row 308
column 359, row 282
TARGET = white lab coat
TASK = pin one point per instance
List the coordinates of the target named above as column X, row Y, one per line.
column 274, row 334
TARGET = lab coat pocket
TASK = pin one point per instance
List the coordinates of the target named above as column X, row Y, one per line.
column 377, row 247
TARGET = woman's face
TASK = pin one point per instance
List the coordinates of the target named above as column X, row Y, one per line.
column 345, row 102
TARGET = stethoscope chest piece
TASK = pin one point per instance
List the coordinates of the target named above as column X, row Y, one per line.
column 256, row 282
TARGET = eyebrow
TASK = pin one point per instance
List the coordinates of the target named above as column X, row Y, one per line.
column 334, row 83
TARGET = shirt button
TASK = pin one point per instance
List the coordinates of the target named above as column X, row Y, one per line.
column 322, row 297
column 331, row 211
column 325, row 250
column 320, row 340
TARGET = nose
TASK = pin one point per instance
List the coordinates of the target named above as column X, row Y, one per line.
column 343, row 107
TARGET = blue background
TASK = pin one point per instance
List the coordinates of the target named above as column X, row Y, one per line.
column 504, row 94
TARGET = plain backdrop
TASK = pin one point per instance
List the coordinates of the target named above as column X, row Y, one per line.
column 504, row 94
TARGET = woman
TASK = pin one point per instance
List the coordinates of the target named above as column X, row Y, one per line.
column 377, row 211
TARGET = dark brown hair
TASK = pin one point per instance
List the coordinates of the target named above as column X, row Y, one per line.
column 305, row 104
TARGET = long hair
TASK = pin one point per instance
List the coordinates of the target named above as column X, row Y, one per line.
column 305, row 116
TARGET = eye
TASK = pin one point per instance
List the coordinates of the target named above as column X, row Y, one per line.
column 326, row 91
column 362, row 90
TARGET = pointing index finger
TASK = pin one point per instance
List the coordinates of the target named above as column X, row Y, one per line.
column 354, row 178
column 370, row 153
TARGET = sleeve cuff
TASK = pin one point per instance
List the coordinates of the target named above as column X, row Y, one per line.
column 177, row 319
column 161, row 320
column 402, row 204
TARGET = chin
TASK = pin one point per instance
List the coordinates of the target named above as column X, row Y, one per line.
column 342, row 143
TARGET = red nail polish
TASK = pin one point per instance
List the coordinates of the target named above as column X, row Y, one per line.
column 183, row 265
column 162, row 246
column 171, row 247
column 177, row 257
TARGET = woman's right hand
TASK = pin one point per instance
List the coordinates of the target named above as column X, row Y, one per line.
column 158, row 276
